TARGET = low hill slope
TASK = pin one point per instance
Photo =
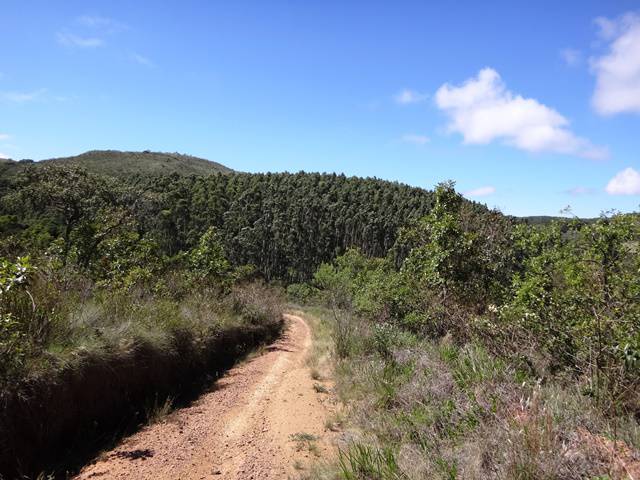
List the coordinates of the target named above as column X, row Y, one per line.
column 115, row 163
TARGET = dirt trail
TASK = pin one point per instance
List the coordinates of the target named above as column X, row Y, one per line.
column 240, row 429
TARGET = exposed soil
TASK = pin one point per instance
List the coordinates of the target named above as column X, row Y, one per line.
column 263, row 420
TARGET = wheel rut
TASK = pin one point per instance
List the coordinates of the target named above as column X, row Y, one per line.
column 247, row 426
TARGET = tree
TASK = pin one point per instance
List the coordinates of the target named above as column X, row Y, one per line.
column 208, row 260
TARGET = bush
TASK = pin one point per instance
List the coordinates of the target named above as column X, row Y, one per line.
column 302, row 293
column 364, row 462
column 579, row 299
column 15, row 320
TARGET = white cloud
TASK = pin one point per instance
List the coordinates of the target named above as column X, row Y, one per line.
column 4, row 136
column 483, row 110
column 22, row 97
column 481, row 191
column 607, row 28
column 141, row 59
column 71, row 40
column 415, row 139
column 618, row 71
column 3, row 156
column 626, row 182
column 571, row 56
column 406, row 97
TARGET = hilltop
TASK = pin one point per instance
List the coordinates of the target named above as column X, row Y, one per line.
column 115, row 163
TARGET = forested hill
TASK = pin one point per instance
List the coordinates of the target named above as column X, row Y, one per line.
column 284, row 224
column 125, row 164
column 546, row 220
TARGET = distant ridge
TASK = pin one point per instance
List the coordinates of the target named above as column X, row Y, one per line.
column 115, row 163
column 546, row 219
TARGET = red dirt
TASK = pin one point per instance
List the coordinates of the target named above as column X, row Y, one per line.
column 240, row 429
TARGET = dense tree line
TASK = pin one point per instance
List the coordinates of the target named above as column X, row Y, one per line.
column 563, row 297
column 283, row 224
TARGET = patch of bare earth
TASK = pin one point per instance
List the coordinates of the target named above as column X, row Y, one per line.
column 245, row 427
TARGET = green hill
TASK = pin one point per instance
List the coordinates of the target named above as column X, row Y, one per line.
column 546, row 219
column 124, row 164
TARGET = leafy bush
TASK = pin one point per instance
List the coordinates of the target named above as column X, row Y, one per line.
column 579, row 297
column 14, row 341
column 208, row 260
column 302, row 293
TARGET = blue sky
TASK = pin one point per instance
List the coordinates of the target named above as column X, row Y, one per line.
column 528, row 106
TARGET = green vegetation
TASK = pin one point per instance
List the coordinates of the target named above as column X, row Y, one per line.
column 482, row 348
column 469, row 344
column 118, row 293
column 123, row 165
column 101, row 328
column 285, row 225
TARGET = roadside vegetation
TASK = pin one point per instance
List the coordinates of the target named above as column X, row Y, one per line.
column 102, row 330
column 121, row 287
column 478, row 348
column 465, row 344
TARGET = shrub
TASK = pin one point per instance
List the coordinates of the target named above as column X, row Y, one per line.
column 364, row 462
column 302, row 293
column 15, row 320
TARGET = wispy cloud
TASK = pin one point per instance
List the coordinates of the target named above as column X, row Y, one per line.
column 607, row 28
column 141, row 59
column 626, row 182
column 22, row 97
column 4, row 136
column 618, row 71
column 576, row 191
column 483, row 110
column 480, row 191
column 4, row 156
column 415, row 139
column 407, row 97
column 106, row 24
column 72, row 40
column 93, row 28
column 571, row 56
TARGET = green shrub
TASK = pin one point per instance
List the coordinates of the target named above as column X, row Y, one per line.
column 208, row 261
column 364, row 462
column 14, row 328
column 302, row 293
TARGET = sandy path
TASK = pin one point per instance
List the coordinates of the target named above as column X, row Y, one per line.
column 241, row 429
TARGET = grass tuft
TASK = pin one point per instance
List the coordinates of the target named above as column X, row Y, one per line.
column 320, row 388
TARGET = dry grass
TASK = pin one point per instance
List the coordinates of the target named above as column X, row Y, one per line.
column 109, row 361
column 306, row 441
column 158, row 410
column 433, row 409
column 321, row 360
column 320, row 388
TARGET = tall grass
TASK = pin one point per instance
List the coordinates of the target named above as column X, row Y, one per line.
column 107, row 361
column 434, row 409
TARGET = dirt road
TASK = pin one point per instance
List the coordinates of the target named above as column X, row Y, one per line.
column 263, row 420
